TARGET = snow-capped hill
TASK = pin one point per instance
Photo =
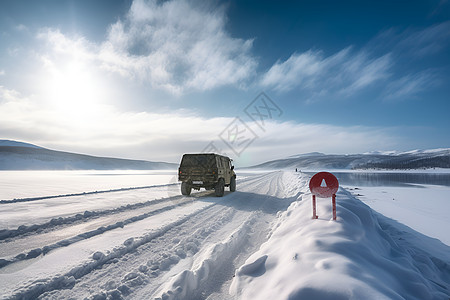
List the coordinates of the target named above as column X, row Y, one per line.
column 9, row 143
column 416, row 159
column 391, row 152
column 307, row 154
column 22, row 156
column 428, row 151
column 411, row 152
column 316, row 161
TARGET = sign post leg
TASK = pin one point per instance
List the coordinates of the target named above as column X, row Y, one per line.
column 333, row 200
column 314, row 206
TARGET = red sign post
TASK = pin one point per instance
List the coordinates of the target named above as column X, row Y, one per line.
column 324, row 185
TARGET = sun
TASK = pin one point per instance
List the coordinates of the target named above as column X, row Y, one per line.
column 75, row 91
column 72, row 88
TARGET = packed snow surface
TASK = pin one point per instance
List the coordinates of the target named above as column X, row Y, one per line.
column 260, row 242
column 421, row 207
column 361, row 255
column 32, row 184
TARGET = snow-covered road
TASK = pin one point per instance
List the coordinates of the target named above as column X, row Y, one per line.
column 134, row 242
column 259, row 242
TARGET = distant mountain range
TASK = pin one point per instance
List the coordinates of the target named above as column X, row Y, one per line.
column 417, row 159
column 23, row 156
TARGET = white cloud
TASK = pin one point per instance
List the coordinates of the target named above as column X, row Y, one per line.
column 344, row 72
column 103, row 130
column 413, row 43
column 177, row 46
column 22, row 27
column 7, row 95
column 409, row 86
column 296, row 138
column 174, row 45
column 180, row 46
column 298, row 70
column 2, row 72
column 348, row 71
column 62, row 45
column 144, row 135
column 361, row 72
column 426, row 42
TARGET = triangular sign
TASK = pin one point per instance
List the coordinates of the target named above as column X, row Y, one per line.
column 323, row 184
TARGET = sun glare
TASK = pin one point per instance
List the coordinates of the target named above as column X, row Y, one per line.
column 74, row 91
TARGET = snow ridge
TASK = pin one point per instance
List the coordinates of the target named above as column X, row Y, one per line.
column 24, row 229
column 85, row 235
column 351, row 258
column 67, row 280
column 186, row 284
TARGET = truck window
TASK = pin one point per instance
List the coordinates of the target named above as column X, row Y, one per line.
column 200, row 160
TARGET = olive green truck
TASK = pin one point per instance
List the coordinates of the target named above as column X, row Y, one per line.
column 206, row 170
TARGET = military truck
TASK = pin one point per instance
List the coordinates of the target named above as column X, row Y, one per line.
column 206, row 170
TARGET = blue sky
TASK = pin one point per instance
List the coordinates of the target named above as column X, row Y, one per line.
column 154, row 79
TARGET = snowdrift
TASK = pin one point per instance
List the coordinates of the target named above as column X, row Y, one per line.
column 354, row 257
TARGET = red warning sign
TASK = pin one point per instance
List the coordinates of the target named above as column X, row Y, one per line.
column 323, row 185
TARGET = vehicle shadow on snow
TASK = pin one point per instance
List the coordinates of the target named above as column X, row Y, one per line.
column 248, row 201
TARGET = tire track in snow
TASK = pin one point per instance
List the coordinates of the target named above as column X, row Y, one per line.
column 17, row 200
column 200, row 281
column 100, row 230
column 81, row 217
column 191, row 283
column 141, row 264
column 99, row 259
column 150, row 264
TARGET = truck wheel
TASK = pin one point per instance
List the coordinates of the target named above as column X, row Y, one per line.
column 233, row 184
column 220, row 188
column 185, row 189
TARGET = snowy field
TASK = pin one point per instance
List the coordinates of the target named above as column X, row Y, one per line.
column 27, row 184
column 421, row 207
column 116, row 235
